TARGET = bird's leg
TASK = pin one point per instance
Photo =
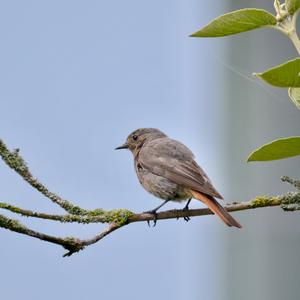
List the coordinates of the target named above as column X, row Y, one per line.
column 187, row 208
column 153, row 212
column 187, row 204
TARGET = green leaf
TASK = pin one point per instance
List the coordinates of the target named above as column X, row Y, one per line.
column 236, row 22
column 279, row 149
column 292, row 5
column 294, row 94
column 284, row 75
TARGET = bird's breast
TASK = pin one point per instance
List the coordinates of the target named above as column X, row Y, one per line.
column 159, row 186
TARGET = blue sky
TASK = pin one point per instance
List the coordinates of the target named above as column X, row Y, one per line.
column 76, row 78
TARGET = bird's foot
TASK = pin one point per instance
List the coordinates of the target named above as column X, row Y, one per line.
column 154, row 214
column 186, row 208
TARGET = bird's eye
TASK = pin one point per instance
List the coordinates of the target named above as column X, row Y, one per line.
column 134, row 137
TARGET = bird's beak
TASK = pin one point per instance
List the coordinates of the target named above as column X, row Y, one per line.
column 125, row 146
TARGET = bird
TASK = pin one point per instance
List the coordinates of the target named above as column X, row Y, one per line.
column 167, row 169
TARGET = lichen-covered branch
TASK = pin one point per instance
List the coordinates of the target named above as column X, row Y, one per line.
column 91, row 216
column 120, row 218
column 288, row 202
column 17, row 163
column 69, row 243
column 115, row 218
column 109, row 229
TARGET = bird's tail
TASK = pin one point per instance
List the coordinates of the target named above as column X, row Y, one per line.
column 216, row 208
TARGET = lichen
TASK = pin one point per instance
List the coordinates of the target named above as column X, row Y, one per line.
column 73, row 209
column 96, row 212
column 72, row 218
column 295, row 183
column 72, row 245
column 13, row 159
column 119, row 216
column 262, row 201
column 290, row 201
column 12, row 224
column 10, row 207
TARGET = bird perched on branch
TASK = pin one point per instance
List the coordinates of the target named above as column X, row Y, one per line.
column 166, row 168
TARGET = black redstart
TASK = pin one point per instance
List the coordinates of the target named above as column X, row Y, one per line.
column 166, row 168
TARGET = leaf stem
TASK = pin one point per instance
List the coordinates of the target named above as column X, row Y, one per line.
column 287, row 24
column 291, row 31
column 295, row 39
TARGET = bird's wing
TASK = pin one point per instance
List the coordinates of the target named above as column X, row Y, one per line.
column 173, row 160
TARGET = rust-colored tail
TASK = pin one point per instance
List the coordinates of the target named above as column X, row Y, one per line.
column 216, row 208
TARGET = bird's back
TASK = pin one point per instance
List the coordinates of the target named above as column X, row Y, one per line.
column 173, row 160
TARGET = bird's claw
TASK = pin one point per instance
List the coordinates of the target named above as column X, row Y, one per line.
column 154, row 214
column 187, row 218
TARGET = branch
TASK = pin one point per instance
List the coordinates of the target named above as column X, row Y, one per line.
column 92, row 216
column 115, row 218
column 123, row 216
column 289, row 202
column 71, row 244
column 17, row 163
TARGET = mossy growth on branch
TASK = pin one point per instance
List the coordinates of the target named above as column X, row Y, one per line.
column 290, row 201
column 11, row 224
column 13, row 159
column 72, row 245
column 117, row 216
column 262, row 201
column 10, row 207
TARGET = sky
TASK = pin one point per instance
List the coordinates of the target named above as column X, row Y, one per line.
column 76, row 78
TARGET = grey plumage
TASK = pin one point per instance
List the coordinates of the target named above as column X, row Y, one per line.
column 172, row 160
column 167, row 169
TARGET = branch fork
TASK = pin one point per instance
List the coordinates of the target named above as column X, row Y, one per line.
column 114, row 218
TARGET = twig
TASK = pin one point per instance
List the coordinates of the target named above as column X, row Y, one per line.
column 115, row 218
column 17, row 163
column 67, row 218
column 112, row 227
column 126, row 217
column 72, row 244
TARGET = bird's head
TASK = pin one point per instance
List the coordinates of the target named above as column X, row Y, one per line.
column 139, row 137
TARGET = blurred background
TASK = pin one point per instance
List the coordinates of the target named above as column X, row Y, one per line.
column 76, row 78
